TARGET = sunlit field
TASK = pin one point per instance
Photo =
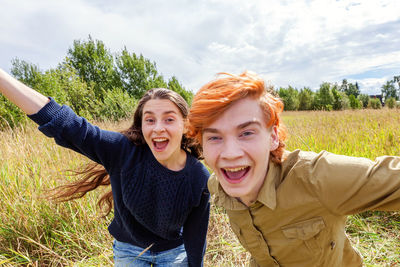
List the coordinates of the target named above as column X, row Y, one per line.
column 36, row 232
column 362, row 133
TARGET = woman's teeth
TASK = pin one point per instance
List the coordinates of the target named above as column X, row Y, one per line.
column 160, row 139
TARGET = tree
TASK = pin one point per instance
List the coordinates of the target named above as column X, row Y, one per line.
column 349, row 88
column 94, row 63
column 340, row 99
column 174, row 85
column 364, row 98
column 305, row 99
column 388, row 90
column 25, row 72
column 325, row 96
column 99, row 68
column 353, row 89
column 137, row 74
column 93, row 81
column 354, row 102
column 289, row 97
column 397, row 79
column 344, row 86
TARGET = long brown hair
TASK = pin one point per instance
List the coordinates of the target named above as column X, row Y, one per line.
column 94, row 174
column 218, row 95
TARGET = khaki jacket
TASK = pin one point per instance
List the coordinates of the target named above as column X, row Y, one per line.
column 300, row 214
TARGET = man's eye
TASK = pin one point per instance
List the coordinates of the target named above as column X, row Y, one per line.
column 247, row 133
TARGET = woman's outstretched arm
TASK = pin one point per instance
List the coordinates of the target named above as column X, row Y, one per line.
column 27, row 99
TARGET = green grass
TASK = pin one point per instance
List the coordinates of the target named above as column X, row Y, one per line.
column 36, row 232
column 361, row 133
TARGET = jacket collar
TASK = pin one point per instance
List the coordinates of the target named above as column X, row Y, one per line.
column 266, row 196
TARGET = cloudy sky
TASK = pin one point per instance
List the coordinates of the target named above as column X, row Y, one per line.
column 298, row 43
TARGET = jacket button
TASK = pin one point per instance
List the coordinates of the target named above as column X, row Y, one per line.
column 333, row 244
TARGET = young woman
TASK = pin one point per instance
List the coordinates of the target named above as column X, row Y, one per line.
column 159, row 188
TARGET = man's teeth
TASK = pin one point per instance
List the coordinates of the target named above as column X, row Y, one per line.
column 234, row 169
column 160, row 139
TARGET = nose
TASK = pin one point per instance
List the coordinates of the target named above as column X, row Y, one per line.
column 159, row 128
column 231, row 149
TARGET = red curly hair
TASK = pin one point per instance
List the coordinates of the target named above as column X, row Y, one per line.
column 218, row 95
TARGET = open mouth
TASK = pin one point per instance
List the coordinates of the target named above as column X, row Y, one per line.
column 160, row 144
column 235, row 175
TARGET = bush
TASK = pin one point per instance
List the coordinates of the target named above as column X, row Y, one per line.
column 10, row 114
column 374, row 103
column 117, row 104
column 340, row 100
column 364, row 98
column 354, row 102
column 390, row 102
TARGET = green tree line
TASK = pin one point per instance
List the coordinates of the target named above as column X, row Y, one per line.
column 93, row 81
column 332, row 96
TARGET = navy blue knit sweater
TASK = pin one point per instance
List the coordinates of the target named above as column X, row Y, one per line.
column 152, row 204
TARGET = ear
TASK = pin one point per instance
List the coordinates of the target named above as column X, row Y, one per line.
column 274, row 138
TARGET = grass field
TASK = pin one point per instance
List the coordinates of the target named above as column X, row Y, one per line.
column 36, row 232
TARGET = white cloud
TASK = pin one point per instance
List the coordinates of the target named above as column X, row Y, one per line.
column 301, row 43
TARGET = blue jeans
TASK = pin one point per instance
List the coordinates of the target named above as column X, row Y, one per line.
column 127, row 255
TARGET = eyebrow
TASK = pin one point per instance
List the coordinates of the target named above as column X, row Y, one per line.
column 164, row 113
column 240, row 126
column 247, row 123
column 210, row 130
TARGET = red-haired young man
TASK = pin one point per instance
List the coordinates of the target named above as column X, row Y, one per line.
column 286, row 208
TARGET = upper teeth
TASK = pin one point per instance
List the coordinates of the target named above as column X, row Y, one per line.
column 235, row 169
column 160, row 139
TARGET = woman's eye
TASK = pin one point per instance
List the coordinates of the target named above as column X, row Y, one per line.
column 170, row 120
column 149, row 120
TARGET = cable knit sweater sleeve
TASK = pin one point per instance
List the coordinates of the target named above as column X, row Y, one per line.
column 196, row 225
column 76, row 133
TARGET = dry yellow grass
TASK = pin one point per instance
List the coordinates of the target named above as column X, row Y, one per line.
column 36, row 232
